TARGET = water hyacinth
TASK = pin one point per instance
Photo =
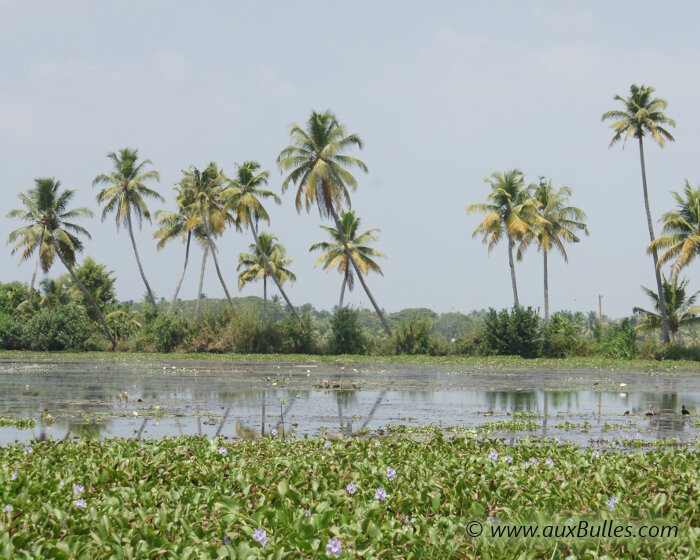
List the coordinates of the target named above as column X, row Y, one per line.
column 327, row 444
column 80, row 503
column 549, row 462
column 273, row 432
column 227, row 540
column 260, row 536
column 595, row 454
column 29, row 449
column 334, row 548
column 611, row 503
column 350, row 488
column 493, row 456
column 377, row 443
column 8, row 508
column 13, row 476
column 390, row 473
column 380, row 494
column 508, row 459
column 307, row 513
column 78, row 489
column 222, row 450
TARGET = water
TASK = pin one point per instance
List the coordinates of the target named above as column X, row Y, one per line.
column 119, row 398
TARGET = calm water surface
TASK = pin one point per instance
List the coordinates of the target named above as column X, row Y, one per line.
column 132, row 399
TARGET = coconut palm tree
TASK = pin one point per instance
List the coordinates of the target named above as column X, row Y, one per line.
column 681, row 307
column 681, row 231
column 54, row 292
column 207, row 208
column 334, row 255
column 243, row 198
column 509, row 211
column 556, row 225
column 642, row 114
column 125, row 192
column 317, row 165
column 266, row 258
column 52, row 232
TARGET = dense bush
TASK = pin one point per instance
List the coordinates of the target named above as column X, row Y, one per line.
column 11, row 295
column 9, row 332
column 414, row 336
column 346, row 336
column 299, row 338
column 66, row 327
column 618, row 341
column 168, row 332
column 563, row 336
column 514, row 333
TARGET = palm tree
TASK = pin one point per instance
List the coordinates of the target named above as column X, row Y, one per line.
column 243, row 198
column 319, row 168
column 207, row 208
column 125, row 192
column 52, row 232
column 54, row 292
column 643, row 114
column 681, row 231
column 555, row 226
column 509, row 211
column 681, row 307
column 334, row 255
column 266, row 258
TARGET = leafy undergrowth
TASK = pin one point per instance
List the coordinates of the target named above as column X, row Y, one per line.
column 393, row 497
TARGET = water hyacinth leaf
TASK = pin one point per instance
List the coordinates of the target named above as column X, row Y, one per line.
column 283, row 488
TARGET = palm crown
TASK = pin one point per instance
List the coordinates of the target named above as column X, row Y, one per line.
column 253, row 264
column 680, row 307
column 245, row 192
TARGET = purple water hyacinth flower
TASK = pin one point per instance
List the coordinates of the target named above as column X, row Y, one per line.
column 28, row 449
column 227, row 539
column 7, row 508
column 13, row 476
column 80, row 503
column 595, row 454
column 493, row 456
column 493, row 520
column 390, row 473
column 273, row 431
column 78, row 489
column 334, row 547
column 377, row 443
column 549, row 462
column 350, row 488
column 327, row 444
column 611, row 502
column 260, row 536
column 407, row 521
column 380, row 494
column 508, row 459
column 307, row 513
column 534, row 462
column 223, row 450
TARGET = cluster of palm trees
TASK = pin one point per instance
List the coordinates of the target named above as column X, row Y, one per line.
column 316, row 162
column 540, row 214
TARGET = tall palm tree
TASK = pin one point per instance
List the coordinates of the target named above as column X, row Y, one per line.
column 318, row 166
column 125, row 192
column 54, row 292
column 52, row 232
column 556, row 225
column 266, row 258
column 681, row 307
column 509, row 211
column 642, row 114
column 243, row 197
column 334, row 255
column 207, row 208
column 681, row 231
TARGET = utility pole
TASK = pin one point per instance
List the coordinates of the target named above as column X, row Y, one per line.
column 600, row 311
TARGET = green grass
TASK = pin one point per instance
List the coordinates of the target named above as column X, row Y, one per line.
column 488, row 362
column 185, row 498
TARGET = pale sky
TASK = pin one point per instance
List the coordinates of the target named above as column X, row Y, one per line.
column 443, row 94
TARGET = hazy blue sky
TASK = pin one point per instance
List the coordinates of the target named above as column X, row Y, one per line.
column 443, row 94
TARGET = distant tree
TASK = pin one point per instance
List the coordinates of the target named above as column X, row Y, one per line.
column 680, row 306
column 99, row 282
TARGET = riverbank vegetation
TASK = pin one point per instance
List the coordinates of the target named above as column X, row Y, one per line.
column 401, row 495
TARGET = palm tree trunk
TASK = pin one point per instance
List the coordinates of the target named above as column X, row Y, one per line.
column 512, row 271
column 339, row 227
column 265, row 299
column 89, row 297
column 274, row 276
column 138, row 259
column 657, row 272
column 546, row 289
column 182, row 276
column 213, row 254
column 31, row 286
column 342, row 290
column 201, row 283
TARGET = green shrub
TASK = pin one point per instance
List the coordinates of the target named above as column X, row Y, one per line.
column 562, row 336
column 167, row 332
column 11, row 295
column 346, row 336
column 9, row 332
column 652, row 349
column 65, row 327
column 299, row 338
column 618, row 341
column 514, row 333
column 414, row 337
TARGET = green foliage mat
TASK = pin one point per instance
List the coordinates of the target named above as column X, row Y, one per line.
column 191, row 497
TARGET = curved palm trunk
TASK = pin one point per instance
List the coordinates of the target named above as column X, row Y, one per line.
column 546, row 289
column 342, row 290
column 36, row 268
column 213, row 254
column 138, row 259
column 274, row 276
column 89, row 297
column 512, row 271
column 338, row 225
column 201, row 283
column 657, row 272
column 182, row 276
column 265, row 298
